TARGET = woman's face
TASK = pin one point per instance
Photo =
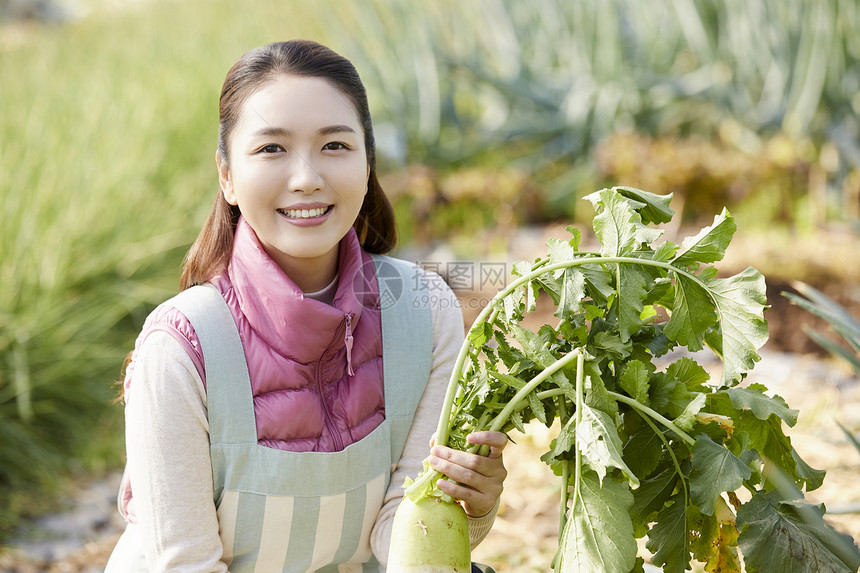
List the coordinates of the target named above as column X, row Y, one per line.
column 297, row 170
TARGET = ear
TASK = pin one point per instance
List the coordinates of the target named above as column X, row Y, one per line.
column 225, row 181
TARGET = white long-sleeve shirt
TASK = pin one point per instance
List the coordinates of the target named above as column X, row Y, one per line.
column 167, row 442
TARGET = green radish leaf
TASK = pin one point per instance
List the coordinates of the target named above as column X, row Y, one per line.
column 714, row 340
column 511, row 381
column 768, row 439
column 669, row 396
column 811, row 477
column 632, row 292
column 792, row 538
column 615, row 224
column 521, row 268
column 571, row 293
column 654, row 209
column 690, row 373
column 687, row 419
column 662, row 391
column 511, row 304
column 710, row 244
column 761, row 405
column 665, row 252
column 703, row 545
column 537, row 407
column 650, row 497
column 532, row 346
column 740, row 302
column 480, row 334
column 531, row 295
column 652, row 338
column 576, row 237
column 593, row 312
column 598, row 283
column 668, row 538
column 716, row 544
column 600, row 444
column 643, row 451
column 679, row 401
column 598, row 535
column 648, row 314
column 708, row 274
column 634, row 380
column 692, row 313
column 507, row 352
column 563, row 444
column 610, row 344
column 597, row 396
column 517, row 421
column 715, row 470
column 647, row 235
column 559, row 252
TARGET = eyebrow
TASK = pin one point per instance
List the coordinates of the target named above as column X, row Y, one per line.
column 281, row 132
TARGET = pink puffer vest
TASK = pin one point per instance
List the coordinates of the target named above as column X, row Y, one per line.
column 315, row 369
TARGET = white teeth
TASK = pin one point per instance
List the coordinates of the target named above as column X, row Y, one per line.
column 304, row 213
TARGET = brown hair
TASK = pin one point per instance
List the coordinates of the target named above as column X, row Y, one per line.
column 210, row 253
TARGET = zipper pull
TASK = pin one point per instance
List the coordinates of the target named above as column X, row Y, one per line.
column 348, row 340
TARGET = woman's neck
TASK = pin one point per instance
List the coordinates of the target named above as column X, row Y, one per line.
column 310, row 275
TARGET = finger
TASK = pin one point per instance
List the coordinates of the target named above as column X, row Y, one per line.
column 490, row 483
column 495, row 440
column 449, row 459
column 455, row 471
column 476, row 503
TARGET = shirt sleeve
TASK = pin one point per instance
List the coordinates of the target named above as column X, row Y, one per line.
column 167, row 443
column 448, row 333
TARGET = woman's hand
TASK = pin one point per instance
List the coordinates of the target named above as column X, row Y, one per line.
column 479, row 480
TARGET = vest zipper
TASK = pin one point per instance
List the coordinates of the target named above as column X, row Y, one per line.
column 348, row 341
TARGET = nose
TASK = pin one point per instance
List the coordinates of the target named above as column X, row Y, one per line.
column 304, row 177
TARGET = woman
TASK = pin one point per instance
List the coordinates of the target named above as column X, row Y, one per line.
column 272, row 415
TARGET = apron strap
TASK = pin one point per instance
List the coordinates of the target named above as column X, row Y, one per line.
column 407, row 342
column 230, row 405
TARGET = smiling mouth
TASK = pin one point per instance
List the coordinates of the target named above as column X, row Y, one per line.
column 305, row 213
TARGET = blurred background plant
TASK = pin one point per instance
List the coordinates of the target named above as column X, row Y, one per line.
column 489, row 115
column 839, row 320
column 842, row 341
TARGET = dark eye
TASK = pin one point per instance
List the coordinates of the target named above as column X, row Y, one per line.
column 271, row 148
column 335, row 145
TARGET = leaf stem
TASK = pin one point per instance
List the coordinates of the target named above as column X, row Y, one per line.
column 675, row 461
column 502, row 418
column 565, row 477
column 580, row 383
column 643, row 409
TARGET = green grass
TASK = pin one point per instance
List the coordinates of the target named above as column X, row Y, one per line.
column 108, row 131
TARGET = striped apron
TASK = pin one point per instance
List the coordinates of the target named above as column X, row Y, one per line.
column 307, row 511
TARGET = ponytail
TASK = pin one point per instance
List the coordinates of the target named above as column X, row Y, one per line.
column 210, row 253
